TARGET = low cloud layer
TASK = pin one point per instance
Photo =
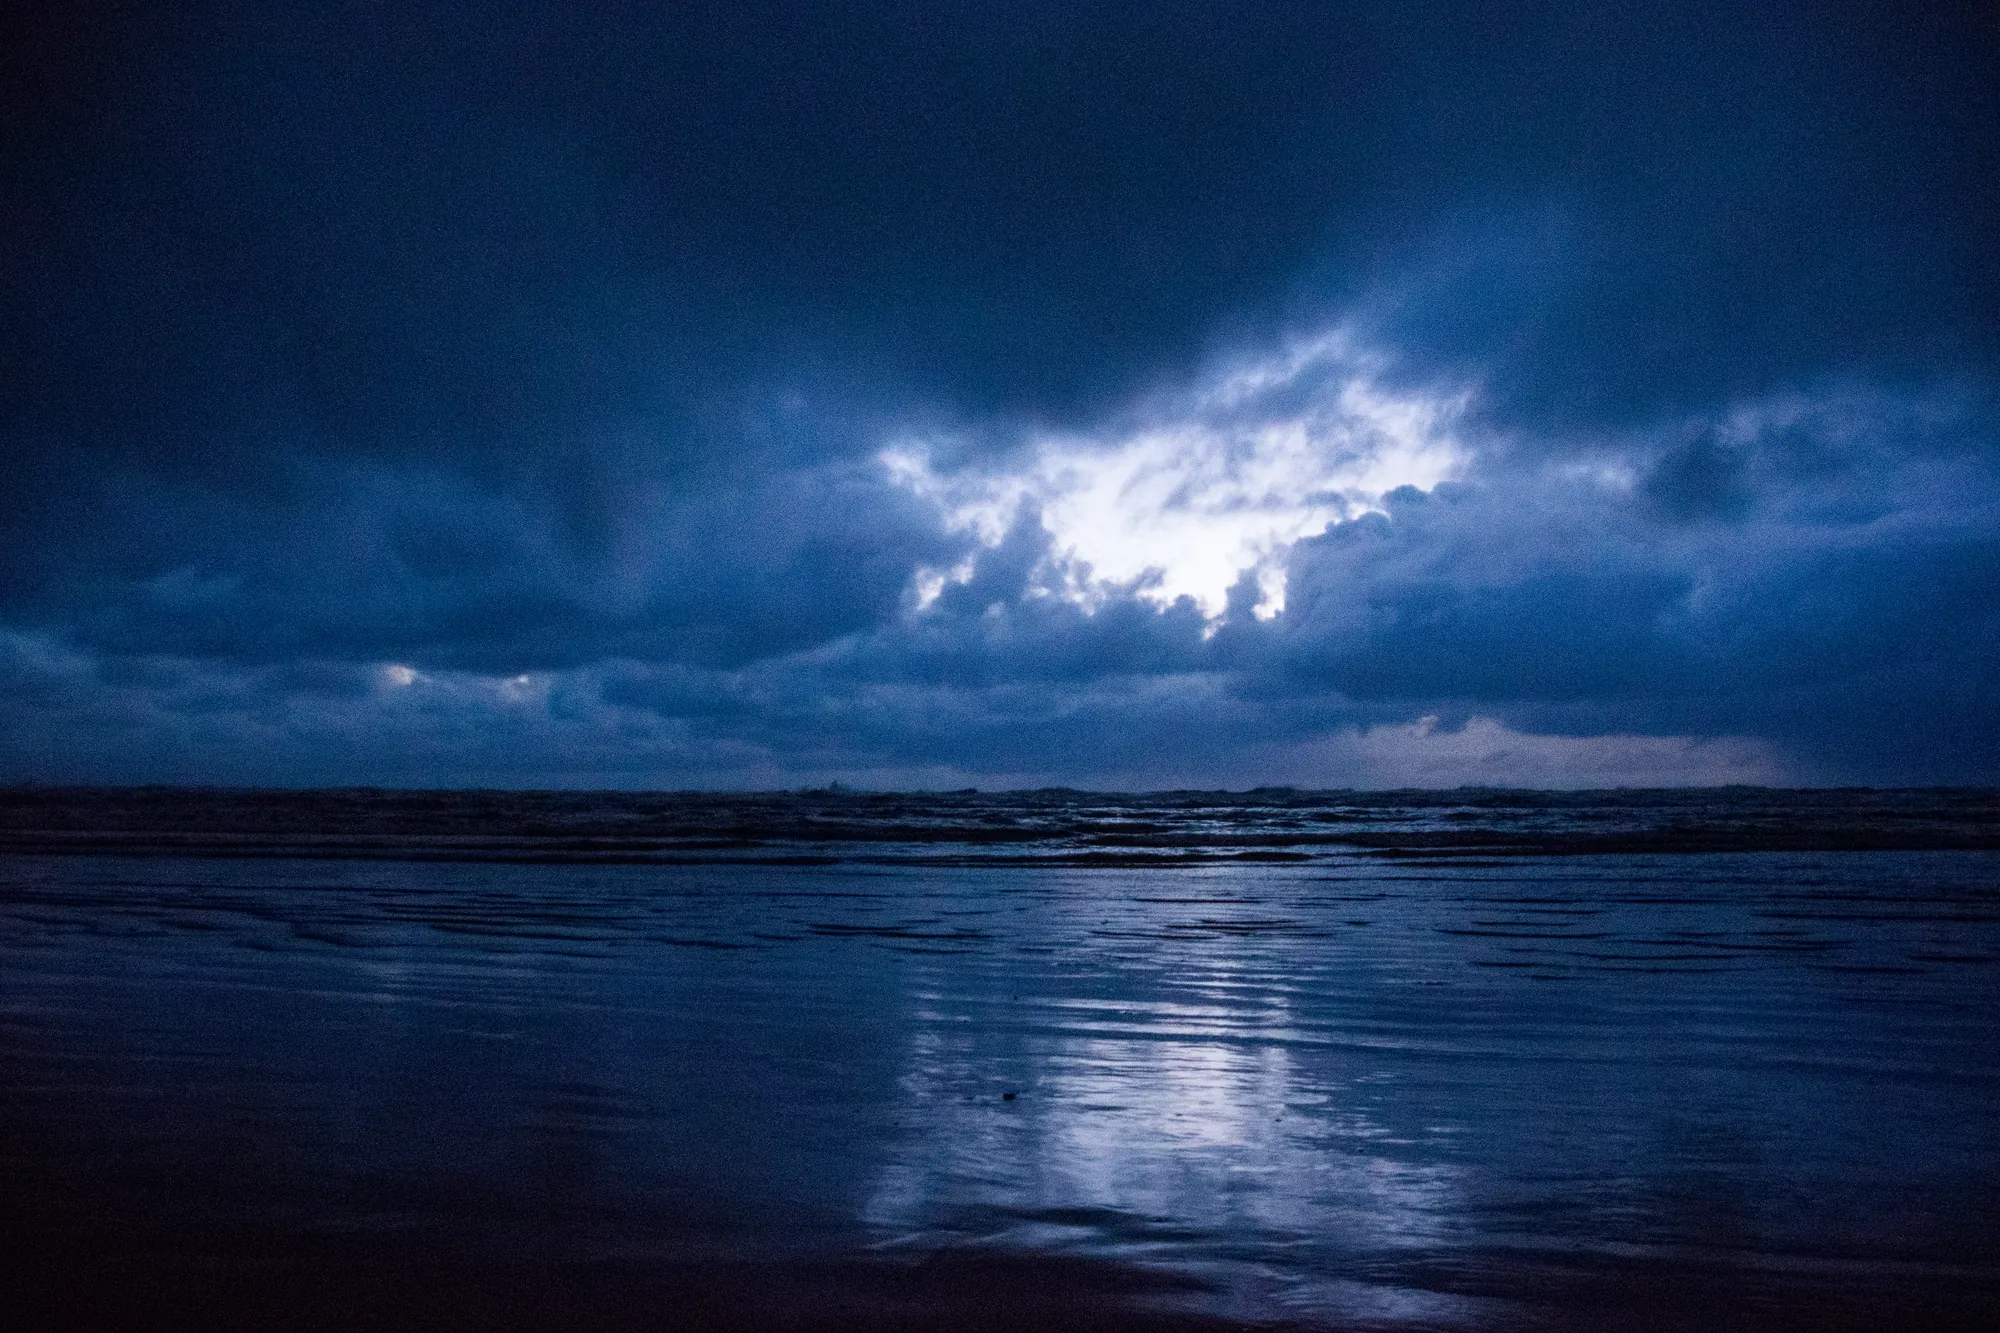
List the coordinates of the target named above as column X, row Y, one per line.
column 1801, row 589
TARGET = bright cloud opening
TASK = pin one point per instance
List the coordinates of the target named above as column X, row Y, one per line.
column 1184, row 494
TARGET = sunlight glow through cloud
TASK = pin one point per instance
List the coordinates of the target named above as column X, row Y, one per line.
column 1183, row 494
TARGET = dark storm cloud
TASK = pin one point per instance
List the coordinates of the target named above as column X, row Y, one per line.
column 1829, row 574
column 484, row 227
column 486, row 340
column 434, row 568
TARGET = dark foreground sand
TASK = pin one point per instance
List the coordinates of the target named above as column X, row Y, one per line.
column 333, row 1290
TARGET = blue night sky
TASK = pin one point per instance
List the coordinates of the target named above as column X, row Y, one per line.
column 1007, row 394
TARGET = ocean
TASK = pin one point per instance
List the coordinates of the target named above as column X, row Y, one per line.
column 1714, row 1059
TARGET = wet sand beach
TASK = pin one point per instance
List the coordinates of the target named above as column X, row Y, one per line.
column 1721, row 1060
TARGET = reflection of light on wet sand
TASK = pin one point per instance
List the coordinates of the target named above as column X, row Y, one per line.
column 1159, row 1130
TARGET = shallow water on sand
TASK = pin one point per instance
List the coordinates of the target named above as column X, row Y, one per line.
column 1717, row 1090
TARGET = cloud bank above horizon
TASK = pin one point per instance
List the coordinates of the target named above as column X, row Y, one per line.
column 1026, row 396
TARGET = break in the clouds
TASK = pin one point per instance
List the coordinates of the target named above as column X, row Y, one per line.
column 1192, row 490
column 1000, row 394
